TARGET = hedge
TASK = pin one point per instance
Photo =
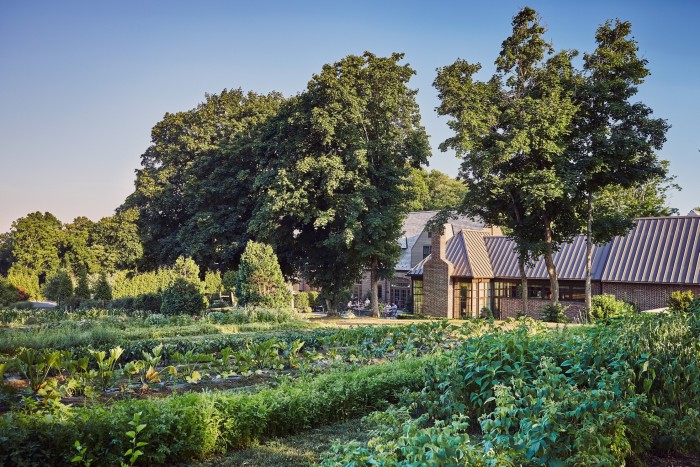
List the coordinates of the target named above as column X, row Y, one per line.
column 191, row 426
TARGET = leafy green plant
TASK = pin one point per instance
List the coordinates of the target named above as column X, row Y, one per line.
column 182, row 297
column 680, row 300
column 35, row 365
column 105, row 373
column 554, row 313
column 607, row 306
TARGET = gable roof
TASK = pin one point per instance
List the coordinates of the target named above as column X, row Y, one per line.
column 658, row 250
column 414, row 225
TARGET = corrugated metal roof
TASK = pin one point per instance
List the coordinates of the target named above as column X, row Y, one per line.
column 477, row 257
column 570, row 260
column 413, row 226
column 662, row 250
column 467, row 253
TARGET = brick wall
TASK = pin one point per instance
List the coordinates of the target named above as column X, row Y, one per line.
column 510, row 307
column 437, row 290
column 646, row 296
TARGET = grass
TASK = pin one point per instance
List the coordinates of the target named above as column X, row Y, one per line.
column 300, row 450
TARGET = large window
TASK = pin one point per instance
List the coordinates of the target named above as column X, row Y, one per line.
column 462, row 299
column 418, row 295
column 504, row 290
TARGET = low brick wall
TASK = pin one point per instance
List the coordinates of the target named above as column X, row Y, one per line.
column 646, row 296
column 511, row 307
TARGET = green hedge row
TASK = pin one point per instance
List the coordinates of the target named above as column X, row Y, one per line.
column 192, row 426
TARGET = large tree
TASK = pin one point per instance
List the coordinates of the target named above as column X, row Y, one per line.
column 511, row 132
column 337, row 157
column 615, row 139
column 36, row 240
column 433, row 191
column 115, row 241
column 194, row 185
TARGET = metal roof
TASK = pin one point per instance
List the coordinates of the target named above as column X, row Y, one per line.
column 659, row 250
column 414, row 225
column 467, row 253
column 570, row 260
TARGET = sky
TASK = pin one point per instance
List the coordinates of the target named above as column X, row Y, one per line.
column 83, row 82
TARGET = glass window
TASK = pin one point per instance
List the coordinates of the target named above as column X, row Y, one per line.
column 418, row 295
column 426, row 251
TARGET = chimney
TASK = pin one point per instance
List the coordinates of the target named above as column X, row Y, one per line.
column 438, row 244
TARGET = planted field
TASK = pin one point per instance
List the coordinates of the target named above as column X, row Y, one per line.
column 437, row 393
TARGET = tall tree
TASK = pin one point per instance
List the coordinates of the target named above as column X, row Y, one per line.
column 433, row 191
column 76, row 254
column 615, row 139
column 338, row 157
column 36, row 240
column 173, row 192
column 511, row 132
column 115, row 241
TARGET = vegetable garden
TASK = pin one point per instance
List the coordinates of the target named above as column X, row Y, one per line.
column 108, row 388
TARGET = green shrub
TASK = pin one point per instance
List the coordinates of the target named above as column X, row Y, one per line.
column 25, row 280
column 260, row 280
column 554, row 314
column 191, row 426
column 680, row 301
column 182, row 298
column 8, row 293
column 150, row 302
column 82, row 290
column 608, row 306
column 305, row 301
column 59, row 287
column 212, row 282
column 103, row 291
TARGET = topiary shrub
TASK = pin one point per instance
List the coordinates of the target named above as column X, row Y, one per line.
column 182, row 298
column 608, row 306
column 680, row 301
column 554, row 314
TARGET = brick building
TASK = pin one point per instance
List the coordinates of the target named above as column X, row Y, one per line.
column 416, row 244
column 471, row 270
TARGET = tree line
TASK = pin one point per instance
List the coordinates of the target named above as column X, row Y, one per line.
column 326, row 176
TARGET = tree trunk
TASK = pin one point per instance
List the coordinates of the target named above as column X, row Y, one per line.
column 330, row 310
column 549, row 262
column 523, row 281
column 589, row 253
column 373, row 286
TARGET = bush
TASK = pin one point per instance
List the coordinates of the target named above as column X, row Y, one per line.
column 680, row 301
column 82, row 290
column 8, row 293
column 554, row 314
column 103, row 291
column 191, row 426
column 608, row 306
column 25, row 280
column 182, row 297
column 260, row 280
column 59, row 287
column 123, row 303
column 305, row 301
column 151, row 302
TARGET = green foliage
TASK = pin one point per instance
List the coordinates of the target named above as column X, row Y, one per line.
column 82, row 290
column 59, row 287
column 305, row 301
column 182, row 297
column 134, row 285
column 103, row 290
column 213, row 282
column 191, row 426
column 8, row 292
column 554, row 313
column 608, row 306
column 36, row 240
column 150, row 302
column 194, row 190
column 228, row 281
column 433, row 191
column 680, row 300
column 260, row 280
column 334, row 192
column 24, row 279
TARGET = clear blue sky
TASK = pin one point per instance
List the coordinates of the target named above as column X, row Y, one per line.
column 83, row 82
